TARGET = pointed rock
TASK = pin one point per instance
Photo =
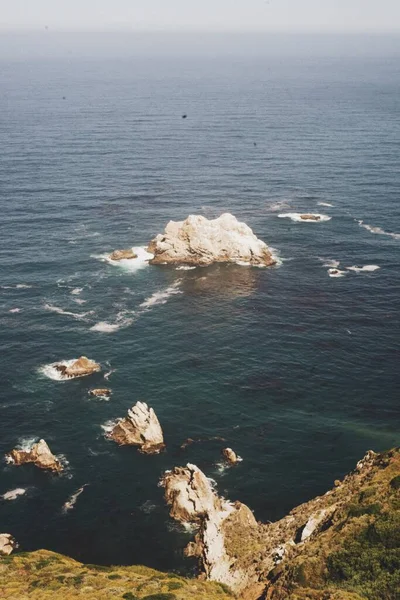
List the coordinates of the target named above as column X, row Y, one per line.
column 140, row 428
column 230, row 456
column 193, row 500
column 40, row 455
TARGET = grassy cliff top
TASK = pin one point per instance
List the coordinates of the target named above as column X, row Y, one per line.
column 44, row 575
column 356, row 556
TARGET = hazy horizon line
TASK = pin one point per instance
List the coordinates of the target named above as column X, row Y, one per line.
column 126, row 29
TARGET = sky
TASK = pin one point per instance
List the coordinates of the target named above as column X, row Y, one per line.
column 201, row 15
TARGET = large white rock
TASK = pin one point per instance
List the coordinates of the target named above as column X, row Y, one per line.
column 199, row 241
column 140, row 428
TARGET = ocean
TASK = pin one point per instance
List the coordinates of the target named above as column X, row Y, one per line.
column 296, row 369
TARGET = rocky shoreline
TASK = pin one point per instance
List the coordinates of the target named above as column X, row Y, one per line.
column 320, row 551
column 296, row 557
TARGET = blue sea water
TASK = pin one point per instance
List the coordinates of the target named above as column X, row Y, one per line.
column 297, row 370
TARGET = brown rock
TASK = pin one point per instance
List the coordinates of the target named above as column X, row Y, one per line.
column 79, row 368
column 310, row 217
column 192, row 499
column 230, row 456
column 100, row 392
column 7, row 544
column 40, row 455
column 140, row 428
column 122, row 254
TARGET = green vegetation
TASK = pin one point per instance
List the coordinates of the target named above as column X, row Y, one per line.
column 358, row 557
column 370, row 564
column 44, row 575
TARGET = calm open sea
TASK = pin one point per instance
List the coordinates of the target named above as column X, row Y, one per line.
column 297, row 370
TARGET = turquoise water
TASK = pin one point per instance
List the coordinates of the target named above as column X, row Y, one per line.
column 297, row 370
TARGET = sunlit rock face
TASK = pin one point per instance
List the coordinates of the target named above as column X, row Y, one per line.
column 81, row 367
column 123, row 254
column 202, row 242
column 140, row 428
column 7, row 544
column 39, row 454
column 192, row 499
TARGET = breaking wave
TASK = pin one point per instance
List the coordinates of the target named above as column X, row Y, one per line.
column 277, row 206
column 130, row 264
column 108, row 426
column 61, row 311
column 69, row 505
column 296, row 217
column 378, row 230
column 121, row 321
column 336, row 273
column 332, row 264
column 147, row 507
column 18, row 286
column 324, row 204
column 161, row 297
column 126, row 318
column 368, row 268
column 52, row 372
column 185, row 268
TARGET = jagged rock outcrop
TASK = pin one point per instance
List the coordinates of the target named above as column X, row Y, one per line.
column 123, row 254
column 284, row 558
column 7, row 544
column 81, row 367
column 140, row 428
column 230, row 456
column 199, row 241
column 40, row 455
column 192, row 499
column 98, row 392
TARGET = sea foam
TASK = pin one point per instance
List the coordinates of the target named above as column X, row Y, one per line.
column 368, row 268
column 69, row 505
column 61, row 311
column 129, row 264
column 51, row 372
column 121, row 321
column 378, row 230
column 336, row 273
column 296, row 217
column 161, row 297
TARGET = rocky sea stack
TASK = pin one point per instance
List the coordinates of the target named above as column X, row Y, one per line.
column 201, row 242
column 39, row 454
column 140, row 428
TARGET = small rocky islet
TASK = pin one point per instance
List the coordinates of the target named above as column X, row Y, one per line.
column 198, row 241
column 39, row 454
column 289, row 559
